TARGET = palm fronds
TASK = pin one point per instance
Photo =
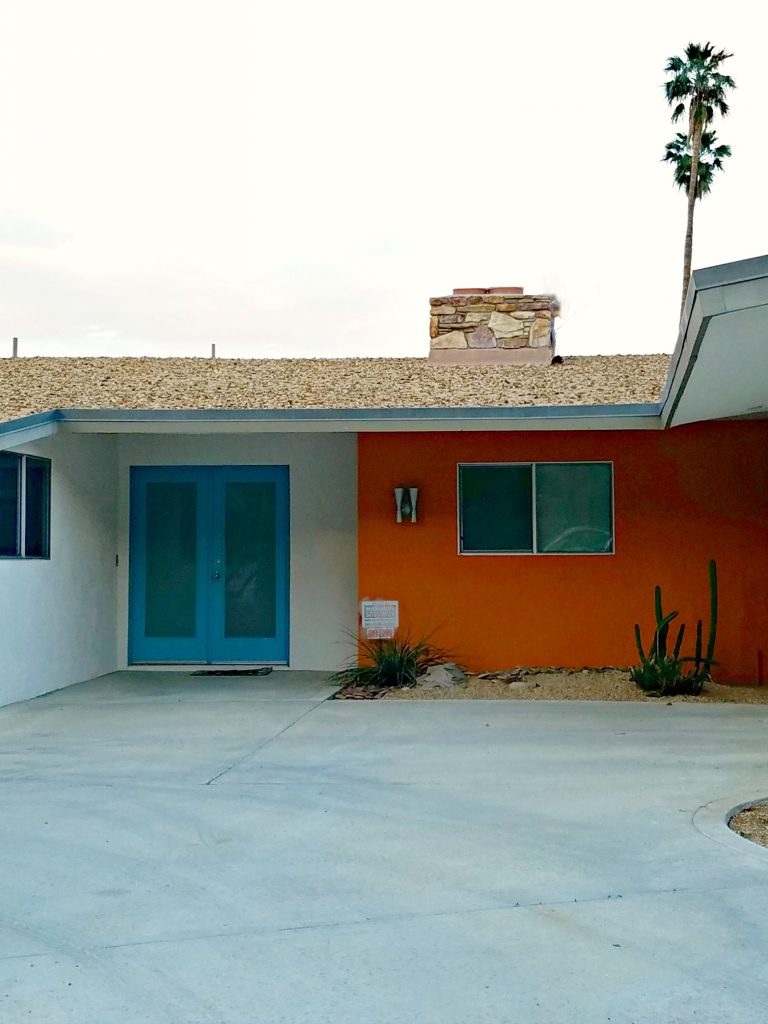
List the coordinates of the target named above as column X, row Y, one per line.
column 679, row 153
column 697, row 84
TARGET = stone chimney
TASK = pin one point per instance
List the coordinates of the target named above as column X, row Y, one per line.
column 491, row 325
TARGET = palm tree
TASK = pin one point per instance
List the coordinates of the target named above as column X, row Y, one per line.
column 680, row 153
column 696, row 87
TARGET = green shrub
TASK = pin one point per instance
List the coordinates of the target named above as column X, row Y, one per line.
column 389, row 663
column 661, row 674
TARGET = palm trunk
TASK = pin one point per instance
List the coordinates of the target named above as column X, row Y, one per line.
column 692, row 189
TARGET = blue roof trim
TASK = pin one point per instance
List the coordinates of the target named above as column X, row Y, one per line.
column 650, row 409
column 479, row 414
column 37, row 419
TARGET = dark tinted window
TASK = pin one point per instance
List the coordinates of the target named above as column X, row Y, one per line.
column 25, row 506
column 9, row 504
column 37, row 501
column 496, row 508
column 574, row 512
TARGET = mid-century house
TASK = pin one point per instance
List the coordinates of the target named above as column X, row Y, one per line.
column 202, row 511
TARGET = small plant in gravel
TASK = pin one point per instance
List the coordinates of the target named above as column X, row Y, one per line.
column 384, row 664
column 662, row 673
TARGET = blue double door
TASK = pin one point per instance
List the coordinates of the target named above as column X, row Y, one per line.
column 209, row 564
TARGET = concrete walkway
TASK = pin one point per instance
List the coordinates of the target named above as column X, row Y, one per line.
column 181, row 850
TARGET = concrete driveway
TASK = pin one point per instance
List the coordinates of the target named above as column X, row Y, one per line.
column 181, row 850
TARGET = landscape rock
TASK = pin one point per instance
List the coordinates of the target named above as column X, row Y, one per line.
column 504, row 675
column 442, row 677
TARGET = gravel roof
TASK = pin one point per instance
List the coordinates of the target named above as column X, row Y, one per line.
column 30, row 385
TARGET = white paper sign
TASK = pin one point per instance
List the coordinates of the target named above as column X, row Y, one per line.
column 379, row 633
column 380, row 619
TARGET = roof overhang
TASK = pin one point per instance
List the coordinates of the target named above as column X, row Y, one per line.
column 28, row 428
column 240, row 421
column 719, row 368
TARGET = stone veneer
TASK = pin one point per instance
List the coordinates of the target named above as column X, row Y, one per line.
column 491, row 326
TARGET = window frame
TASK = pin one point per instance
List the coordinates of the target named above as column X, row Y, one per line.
column 534, row 553
column 21, row 509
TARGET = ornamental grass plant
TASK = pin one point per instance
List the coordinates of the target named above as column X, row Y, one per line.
column 385, row 664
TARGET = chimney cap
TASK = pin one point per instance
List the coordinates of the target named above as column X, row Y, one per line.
column 509, row 290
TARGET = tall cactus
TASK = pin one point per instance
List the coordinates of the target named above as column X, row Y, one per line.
column 710, row 658
column 662, row 627
column 679, row 642
column 639, row 642
column 658, row 648
column 697, row 655
column 657, row 661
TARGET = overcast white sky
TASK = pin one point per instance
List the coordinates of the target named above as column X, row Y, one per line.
column 297, row 179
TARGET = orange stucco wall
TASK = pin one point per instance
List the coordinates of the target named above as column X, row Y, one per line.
column 682, row 496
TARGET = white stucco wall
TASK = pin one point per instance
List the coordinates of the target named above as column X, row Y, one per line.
column 57, row 616
column 323, row 485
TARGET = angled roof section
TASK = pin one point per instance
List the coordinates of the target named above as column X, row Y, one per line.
column 719, row 369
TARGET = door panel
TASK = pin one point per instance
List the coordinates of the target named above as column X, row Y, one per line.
column 170, row 585
column 209, row 564
column 170, row 525
column 249, row 619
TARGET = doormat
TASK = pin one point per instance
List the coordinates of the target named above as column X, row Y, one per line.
column 264, row 671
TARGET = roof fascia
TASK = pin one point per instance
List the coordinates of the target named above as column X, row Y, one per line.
column 639, row 416
column 28, row 428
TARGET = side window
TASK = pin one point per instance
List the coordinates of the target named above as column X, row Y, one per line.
column 541, row 508
column 496, row 509
column 25, row 506
column 10, row 492
column 574, row 508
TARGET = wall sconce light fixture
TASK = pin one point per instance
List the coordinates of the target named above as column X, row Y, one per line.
column 405, row 503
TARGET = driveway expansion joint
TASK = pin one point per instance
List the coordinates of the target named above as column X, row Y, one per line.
column 379, row 919
column 265, row 743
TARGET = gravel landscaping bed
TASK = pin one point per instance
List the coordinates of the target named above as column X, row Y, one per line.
column 752, row 823
column 551, row 684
